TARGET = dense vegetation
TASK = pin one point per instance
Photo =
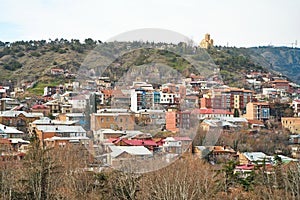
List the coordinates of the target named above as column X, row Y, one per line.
column 65, row 174
column 32, row 60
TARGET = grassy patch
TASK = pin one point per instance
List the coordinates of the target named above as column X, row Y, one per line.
column 38, row 89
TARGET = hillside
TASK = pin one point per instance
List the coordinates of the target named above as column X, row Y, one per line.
column 31, row 61
column 284, row 60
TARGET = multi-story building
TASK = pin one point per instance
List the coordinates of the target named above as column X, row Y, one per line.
column 205, row 113
column 258, row 111
column 18, row 119
column 230, row 99
column 51, row 90
column 292, row 124
column 141, row 99
column 40, row 108
column 169, row 98
column 296, row 107
column 172, row 122
column 282, row 85
column 176, row 120
column 115, row 121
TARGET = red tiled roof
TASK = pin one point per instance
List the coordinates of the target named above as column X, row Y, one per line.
column 113, row 140
column 280, row 81
column 245, row 167
column 39, row 107
column 211, row 111
column 182, row 138
column 109, row 92
column 140, row 142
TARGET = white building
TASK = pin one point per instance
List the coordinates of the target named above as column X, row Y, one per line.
column 141, row 99
column 168, row 98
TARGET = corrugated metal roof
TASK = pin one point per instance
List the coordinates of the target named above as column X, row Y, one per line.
column 16, row 113
column 132, row 150
column 9, row 130
column 61, row 129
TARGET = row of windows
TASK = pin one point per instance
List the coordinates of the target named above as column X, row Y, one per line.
column 116, row 119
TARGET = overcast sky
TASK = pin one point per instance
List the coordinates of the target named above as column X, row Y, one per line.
column 233, row 22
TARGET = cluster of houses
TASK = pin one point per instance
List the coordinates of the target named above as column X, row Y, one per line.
column 143, row 121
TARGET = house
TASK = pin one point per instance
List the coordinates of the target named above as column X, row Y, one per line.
column 62, row 142
column 120, row 99
column 282, row 85
column 103, row 82
column 52, row 90
column 10, row 132
column 151, row 117
column 256, row 124
column 296, row 107
column 107, row 95
column 3, row 92
column 254, row 158
column 294, row 139
column 171, row 145
column 115, row 120
column 238, row 121
column 40, row 108
column 8, row 104
column 169, row 98
column 186, row 143
column 54, row 106
column 18, row 119
column 149, row 143
column 78, row 102
column 292, row 124
column 12, row 149
column 216, row 124
column 18, row 144
column 102, row 135
column 177, row 145
column 220, row 154
column 45, row 121
column 45, row 131
column 80, row 118
column 121, row 154
column 57, row 71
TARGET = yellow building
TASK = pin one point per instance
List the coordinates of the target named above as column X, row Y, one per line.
column 115, row 121
column 292, row 124
column 207, row 42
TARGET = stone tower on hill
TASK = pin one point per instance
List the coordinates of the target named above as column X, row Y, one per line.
column 207, row 42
